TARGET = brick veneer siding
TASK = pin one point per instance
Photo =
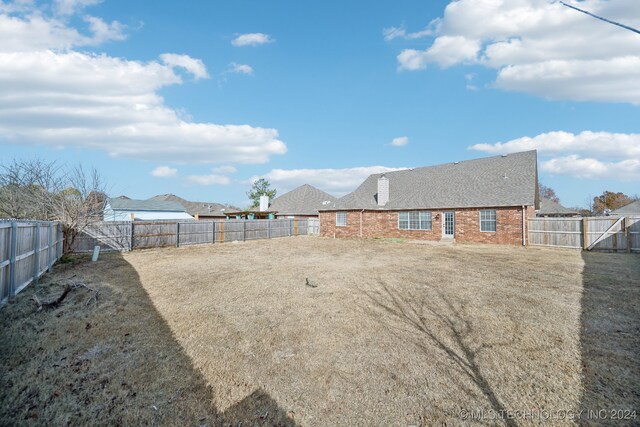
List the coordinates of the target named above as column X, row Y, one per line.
column 467, row 225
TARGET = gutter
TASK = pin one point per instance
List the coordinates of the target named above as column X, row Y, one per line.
column 524, row 221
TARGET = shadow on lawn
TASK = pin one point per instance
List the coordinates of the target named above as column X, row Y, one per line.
column 113, row 361
column 445, row 325
column 610, row 337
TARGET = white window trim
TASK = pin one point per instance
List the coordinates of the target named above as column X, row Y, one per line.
column 494, row 221
column 346, row 218
column 419, row 221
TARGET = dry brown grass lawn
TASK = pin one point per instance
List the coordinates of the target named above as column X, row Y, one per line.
column 393, row 333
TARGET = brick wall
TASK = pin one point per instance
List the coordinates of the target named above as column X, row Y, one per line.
column 467, row 225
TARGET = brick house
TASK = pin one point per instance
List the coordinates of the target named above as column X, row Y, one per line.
column 484, row 200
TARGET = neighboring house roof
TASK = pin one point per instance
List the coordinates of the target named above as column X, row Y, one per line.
column 304, row 200
column 197, row 208
column 549, row 207
column 145, row 205
column 507, row 180
column 632, row 208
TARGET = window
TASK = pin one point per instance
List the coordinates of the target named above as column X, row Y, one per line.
column 341, row 219
column 415, row 220
column 488, row 220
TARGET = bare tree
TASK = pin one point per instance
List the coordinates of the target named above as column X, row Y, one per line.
column 40, row 190
column 548, row 193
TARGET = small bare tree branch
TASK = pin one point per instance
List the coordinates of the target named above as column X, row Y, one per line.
column 39, row 190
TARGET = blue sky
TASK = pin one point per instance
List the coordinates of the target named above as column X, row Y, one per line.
column 199, row 98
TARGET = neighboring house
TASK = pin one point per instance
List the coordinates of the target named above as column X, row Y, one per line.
column 632, row 209
column 484, row 200
column 549, row 208
column 302, row 202
column 199, row 210
column 143, row 210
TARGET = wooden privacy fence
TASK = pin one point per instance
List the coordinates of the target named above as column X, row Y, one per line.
column 616, row 234
column 27, row 250
column 125, row 236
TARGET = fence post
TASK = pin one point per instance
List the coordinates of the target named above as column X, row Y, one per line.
column 36, row 257
column 177, row 234
column 131, row 237
column 50, row 250
column 60, row 241
column 244, row 230
column 268, row 229
column 12, row 261
column 585, row 243
column 627, row 234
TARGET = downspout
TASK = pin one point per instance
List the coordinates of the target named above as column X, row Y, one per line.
column 524, row 219
column 361, row 222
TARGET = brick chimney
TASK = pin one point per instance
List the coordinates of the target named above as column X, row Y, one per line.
column 383, row 190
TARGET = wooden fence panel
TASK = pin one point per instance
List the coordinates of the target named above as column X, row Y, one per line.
column 154, row 234
column 558, row 232
column 259, row 229
column 313, row 226
column 196, row 232
column 109, row 235
column 581, row 233
column 27, row 250
column 303, row 227
column 633, row 230
column 5, row 242
column 233, row 230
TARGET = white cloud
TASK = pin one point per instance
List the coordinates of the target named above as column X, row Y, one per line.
column 602, row 144
column 446, row 51
column 164, row 172
column 224, row 169
column 103, row 31
column 392, row 33
column 579, row 167
column 70, row 7
column 213, row 179
column 538, row 47
column 469, row 78
column 192, row 65
column 252, row 39
column 240, row 68
column 25, row 28
column 64, row 98
column 400, row 141
column 584, row 155
column 334, row 181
